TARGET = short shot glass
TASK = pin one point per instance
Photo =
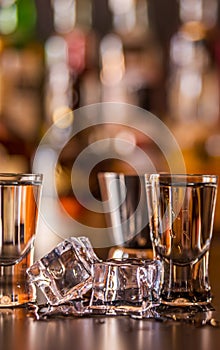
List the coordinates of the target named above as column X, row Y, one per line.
column 182, row 209
column 20, row 196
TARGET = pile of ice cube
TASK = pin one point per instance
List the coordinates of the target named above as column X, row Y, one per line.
column 72, row 273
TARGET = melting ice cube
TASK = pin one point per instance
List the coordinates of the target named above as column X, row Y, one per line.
column 65, row 272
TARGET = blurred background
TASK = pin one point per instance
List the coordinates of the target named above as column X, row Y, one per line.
column 59, row 55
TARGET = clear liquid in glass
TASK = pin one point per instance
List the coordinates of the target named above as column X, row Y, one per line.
column 182, row 226
column 18, row 213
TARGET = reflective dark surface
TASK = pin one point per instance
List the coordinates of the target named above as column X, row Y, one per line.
column 20, row 330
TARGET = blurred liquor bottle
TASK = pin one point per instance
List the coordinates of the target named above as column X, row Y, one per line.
column 135, row 73
column 193, row 85
column 21, row 72
column 69, row 55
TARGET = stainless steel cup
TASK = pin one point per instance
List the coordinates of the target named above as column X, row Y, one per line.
column 125, row 206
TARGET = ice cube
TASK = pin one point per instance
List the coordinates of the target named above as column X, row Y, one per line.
column 65, row 272
column 128, row 286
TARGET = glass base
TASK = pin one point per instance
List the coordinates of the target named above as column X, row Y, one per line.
column 186, row 298
column 182, row 302
column 186, row 285
column 15, row 300
column 14, row 287
column 199, row 315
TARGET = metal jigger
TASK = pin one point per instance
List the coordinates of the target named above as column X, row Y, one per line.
column 125, row 207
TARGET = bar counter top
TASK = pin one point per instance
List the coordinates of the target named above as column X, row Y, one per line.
column 19, row 330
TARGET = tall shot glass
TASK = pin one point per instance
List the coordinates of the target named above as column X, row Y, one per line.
column 182, row 209
column 19, row 200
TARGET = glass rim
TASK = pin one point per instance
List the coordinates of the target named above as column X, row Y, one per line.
column 21, row 178
column 112, row 173
column 185, row 178
column 120, row 173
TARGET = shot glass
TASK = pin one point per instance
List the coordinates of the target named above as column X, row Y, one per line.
column 182, row 209
column 124, row 203
column 19, row 201
column 127, row 286
column 64, row 273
